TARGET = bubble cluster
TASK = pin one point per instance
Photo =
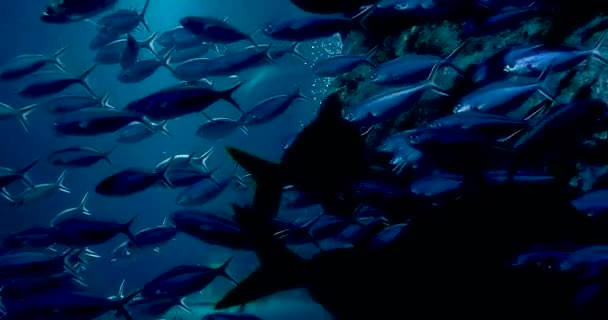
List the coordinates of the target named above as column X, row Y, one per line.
column 322, row 49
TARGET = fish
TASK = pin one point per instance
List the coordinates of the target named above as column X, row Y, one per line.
column 74, row 102
column 313, row 28
column 143, row 69
column 77, row 157
column 230, row 63
column 188, row 173
column 504, row 20
column 81, row 209
column 207, row 190
column 124, row 20
column 52, row 86
column 338, row 65
column 179, row 38
column 592, row 203
column 412, row 68
column 137, row 132
column 130, row 53
column 560, row 59
column 9, row 175
column 184, row 280
column 178, row 101
column 91, row 122
column 219, row 128
column 187, row 161
column 210, row 228
column 9, row 112
column 30, row 263
column 67, row 11
column 103, row 39
column 131, row 181
column 271, row 108
column 214, row 30
column 22, row 288
column 332, row 7
column 387, row 105
column 37, row 192
column 83, row 232
column 112, row 52
column 502, row 96
column 27, row 64
column 38, row 237
column 149, row 237
column 314, row 163
column 185, row 54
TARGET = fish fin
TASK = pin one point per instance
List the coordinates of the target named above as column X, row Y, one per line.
column 105, row 101
column 123, row 302
column 449, row 59
column 60, row 184
column 331, row 108
column 23, row 113
column 596, row 49
column 121, row 290
column 205, row 157
column 208, row 117
column 280, row 270
column 299, row 95
column 182, row 304
column 221, row 270
column 542, row 80
column 163, row 128
column 83, row 204
column 83, row 80
column 293, row 50
column 431, row 80
column 106, row 155
column 142, row 15
column 57, row 57
column 156, row 249
column 127, row 230
column 164, row 179
column 227, row 95
column 148, row 43
column 360, row 17
column 24, row 171
column 7, row 196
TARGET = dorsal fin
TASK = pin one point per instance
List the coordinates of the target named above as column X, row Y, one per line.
column 331, row 108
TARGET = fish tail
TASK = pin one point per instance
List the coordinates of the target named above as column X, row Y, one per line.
column 227, row 95
column 124, row 301
column 166, row 59
column 267, row 176
column 164, row 178
column 142, row 15
column 23, row 172
column 163, row 128
column 23, row 113
column 83, row 204
column 83, row 80
column 4, row 193
column 221, row 270
column 293, row 49
column 281, row 269
column 57, row 57
column 431, row 82
column 449, row 59
column 596, row 49
column 60, row 182
column 127, row 230
column 105, row 101
column 149, row 43
column 205, row 157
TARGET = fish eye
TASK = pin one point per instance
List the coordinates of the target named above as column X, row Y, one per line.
column 349, row 116
column 414, row 138
column 269, row 28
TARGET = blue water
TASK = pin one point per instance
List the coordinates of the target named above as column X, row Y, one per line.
column 24, row 33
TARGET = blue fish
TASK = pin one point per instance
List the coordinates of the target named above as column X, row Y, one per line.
column 79, row 157
column 52, row 86
column 131, row 181
column 27, row 64
column 91, row 122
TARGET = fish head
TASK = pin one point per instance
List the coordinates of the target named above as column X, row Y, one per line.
column 55, row 12
column 269, row 29
column 121, row 252
column 463, row 107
